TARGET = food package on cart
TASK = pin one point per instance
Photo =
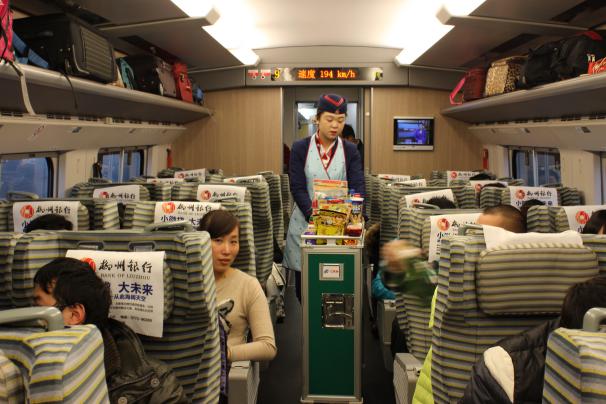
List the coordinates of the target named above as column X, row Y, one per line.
column 330, row 223
column 329, row 189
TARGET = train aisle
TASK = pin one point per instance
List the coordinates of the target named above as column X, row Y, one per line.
column 281, row 382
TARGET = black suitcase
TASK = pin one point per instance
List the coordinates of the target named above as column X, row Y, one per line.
column 152, row 75
column 69, row 45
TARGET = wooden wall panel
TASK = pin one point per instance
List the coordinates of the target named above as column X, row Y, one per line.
column 455, row 148
column 243, row 137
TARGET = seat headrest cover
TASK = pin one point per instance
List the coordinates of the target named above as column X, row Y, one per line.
column 496, row 237
column 530, row 279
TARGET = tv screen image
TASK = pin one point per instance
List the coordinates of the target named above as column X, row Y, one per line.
column 412, row 133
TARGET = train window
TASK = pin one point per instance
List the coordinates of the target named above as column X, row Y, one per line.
column 548, row 167
column 121, row 165
column 33, row 174
column 536, row 166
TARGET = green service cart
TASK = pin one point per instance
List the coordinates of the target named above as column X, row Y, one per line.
column 332, row 319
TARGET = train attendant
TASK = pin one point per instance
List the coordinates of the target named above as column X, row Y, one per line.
column 321, row 156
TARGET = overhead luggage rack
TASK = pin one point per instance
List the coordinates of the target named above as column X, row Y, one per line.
column 50, row 92
column 580, row 96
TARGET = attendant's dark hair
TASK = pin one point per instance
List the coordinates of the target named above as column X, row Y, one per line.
column 51, row 221
column 76, row 283
column 441, row 202
column 596, row 222
column 219, row 223
column 514, row 220
column 580, row 298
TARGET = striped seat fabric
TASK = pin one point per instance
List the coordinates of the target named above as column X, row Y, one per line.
column 597, row 243
column 484, row 296
column 413, row 320
column 287, row 201
column 368, row 185
column 8, row 242
column 263, row 229
column 190, row 342
column 143, row 215
column 214, row 175
column 575, row 367
column 5, row 208
column 12, row 390
column 64, row 366
column 541, row 219
column 393, row 201
column 277, row 217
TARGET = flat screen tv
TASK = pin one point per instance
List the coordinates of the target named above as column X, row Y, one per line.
column 413, row 133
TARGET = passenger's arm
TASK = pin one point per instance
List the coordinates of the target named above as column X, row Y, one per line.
column 298, row 181
column 263, row 346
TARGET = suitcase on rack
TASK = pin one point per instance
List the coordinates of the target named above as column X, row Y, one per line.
column 152, row 75
column 184, row 86
column 69, row 45
column 503, row 75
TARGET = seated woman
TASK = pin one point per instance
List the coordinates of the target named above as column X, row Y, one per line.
column 250, row 311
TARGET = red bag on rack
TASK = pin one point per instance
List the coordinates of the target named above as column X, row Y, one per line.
column 184, row 90
column 597, row 66
column 472, row 85
column 6, row 31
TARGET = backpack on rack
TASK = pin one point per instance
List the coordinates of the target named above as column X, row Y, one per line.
column 6, row 31
column 572, row 59
column 559, row 60
column 127, row 73
column 152, row 75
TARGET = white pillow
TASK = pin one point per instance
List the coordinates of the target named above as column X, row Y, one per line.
column 497, row 236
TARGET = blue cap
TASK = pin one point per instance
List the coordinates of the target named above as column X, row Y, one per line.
column 332, row 103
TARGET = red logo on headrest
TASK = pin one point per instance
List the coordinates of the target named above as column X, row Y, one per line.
column 479, row 187
column 416, row 200
column 104, row 194
column 582, row 217
column 205, row 195
column 443, row 224
column 520, row 194
column 27, row 211
column 180, row 175
column 454, row 175
column 168, row 207
column 90, row 263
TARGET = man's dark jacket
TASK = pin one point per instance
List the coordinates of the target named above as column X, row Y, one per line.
column 527, row 351
column 133, row 377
